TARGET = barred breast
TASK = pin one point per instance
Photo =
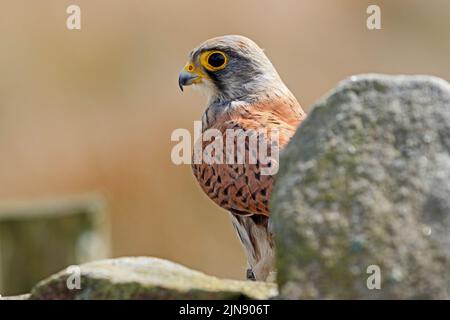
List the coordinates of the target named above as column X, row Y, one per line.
column 243, row 188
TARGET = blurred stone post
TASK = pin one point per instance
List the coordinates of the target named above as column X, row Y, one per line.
column 39, row 238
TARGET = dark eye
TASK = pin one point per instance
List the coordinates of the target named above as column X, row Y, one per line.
column 216, row 60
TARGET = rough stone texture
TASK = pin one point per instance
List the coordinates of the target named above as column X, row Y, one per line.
column 366, row 181
column 19, row 297
column 147, row 278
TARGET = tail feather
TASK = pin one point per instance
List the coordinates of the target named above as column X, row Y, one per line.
column 257, row 242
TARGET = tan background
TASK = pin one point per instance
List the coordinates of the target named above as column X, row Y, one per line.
column 94, row 109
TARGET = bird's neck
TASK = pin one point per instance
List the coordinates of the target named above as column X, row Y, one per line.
column 280, row 103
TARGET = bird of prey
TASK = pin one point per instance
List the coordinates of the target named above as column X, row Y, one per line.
column 245, row 93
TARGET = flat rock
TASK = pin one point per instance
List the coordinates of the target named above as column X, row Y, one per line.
column 144, row 278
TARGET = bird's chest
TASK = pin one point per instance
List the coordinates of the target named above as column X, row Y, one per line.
column 237, row 186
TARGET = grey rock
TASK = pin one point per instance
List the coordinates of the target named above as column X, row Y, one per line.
column 366, row 181
column 19, row 297
column 144, row 278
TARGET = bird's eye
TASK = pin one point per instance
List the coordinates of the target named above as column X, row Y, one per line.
column 215, row 60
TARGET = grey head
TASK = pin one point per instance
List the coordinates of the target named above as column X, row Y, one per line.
column 230, row 68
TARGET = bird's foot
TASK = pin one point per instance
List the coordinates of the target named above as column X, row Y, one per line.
column 250, row 275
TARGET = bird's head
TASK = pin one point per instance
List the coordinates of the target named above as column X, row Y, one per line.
column 230, row 68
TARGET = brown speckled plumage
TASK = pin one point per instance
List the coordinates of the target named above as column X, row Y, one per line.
column 240, row 188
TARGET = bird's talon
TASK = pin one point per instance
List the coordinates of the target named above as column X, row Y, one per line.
column 250, row 275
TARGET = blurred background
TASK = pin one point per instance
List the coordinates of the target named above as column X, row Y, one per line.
column 92, row 110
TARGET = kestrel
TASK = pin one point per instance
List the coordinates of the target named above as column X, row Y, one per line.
column 245, row 93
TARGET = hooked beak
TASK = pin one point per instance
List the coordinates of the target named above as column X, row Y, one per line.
column 186, row 78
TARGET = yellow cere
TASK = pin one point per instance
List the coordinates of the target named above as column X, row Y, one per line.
column 190, row 67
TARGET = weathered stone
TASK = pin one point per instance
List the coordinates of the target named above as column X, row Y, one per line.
column 366, row 181
column 145, row 278
column 19, row 297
